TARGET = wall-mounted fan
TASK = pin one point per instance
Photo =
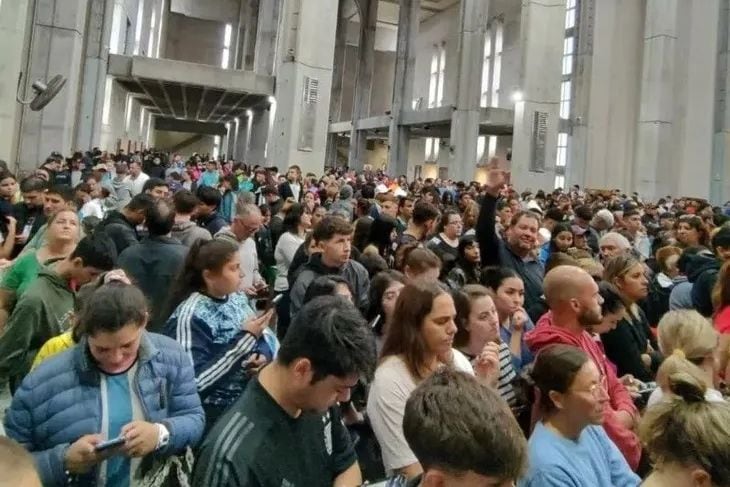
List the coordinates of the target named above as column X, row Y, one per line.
column 44, row 92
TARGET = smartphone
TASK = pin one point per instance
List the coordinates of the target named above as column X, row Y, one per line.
column 272, row 302
column 105, row 445
column 375, row 322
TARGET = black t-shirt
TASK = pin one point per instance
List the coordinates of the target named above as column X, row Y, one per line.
column 257, row 444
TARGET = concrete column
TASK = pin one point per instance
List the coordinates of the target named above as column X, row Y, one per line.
column 57, row 48
column 239, row 34
column 542, row 29
column 304, row 83
column 266, row 36
column 575, row 172
column 98, row 35
column 654, row 131
column 363, row 81
column 248, row 39
column 338, row 67
column 720, row 185
column 465, row 118
column 405, row 65
column 259, row 138
column 608, row 73
column 13, row 20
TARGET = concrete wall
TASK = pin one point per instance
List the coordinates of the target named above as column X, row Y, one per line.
column 165, row 140
column 195, row 40
column 13, row 23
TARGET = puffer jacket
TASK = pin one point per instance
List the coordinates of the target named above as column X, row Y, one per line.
column 59, row 402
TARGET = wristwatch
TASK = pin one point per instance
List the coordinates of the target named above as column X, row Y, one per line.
column 163, row 436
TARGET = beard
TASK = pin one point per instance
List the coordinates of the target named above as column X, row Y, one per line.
column 589, row 318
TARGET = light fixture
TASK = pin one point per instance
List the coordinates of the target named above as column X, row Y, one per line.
column 517, row 95
column 249, row 113
column 272, row 100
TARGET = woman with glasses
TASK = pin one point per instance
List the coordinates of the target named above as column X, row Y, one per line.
column 569, row 446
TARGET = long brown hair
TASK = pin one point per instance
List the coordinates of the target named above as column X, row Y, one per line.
column 404, row 335
column 721, row 290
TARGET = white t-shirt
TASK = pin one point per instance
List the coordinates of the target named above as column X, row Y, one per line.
column 286, row 248
column 136, row 185
column 391, row 387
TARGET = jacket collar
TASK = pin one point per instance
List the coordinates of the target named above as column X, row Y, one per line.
column 89, row 372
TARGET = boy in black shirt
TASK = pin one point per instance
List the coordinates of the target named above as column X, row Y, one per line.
column 286, row 430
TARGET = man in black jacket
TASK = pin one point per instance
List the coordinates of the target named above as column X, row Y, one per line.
column 155, row 262
column 333, row 235
column 516, row 251
column 121, row 225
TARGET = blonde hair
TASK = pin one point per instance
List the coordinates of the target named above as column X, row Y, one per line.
column 686, row 338
column 688, row 430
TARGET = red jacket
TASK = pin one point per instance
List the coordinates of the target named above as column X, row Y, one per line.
column 545, row 333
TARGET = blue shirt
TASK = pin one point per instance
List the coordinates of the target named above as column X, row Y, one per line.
column 526, row 357
column 119, row 414
column 592, row 461
column 209, row 179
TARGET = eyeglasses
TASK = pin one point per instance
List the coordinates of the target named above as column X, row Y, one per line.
column 599, row 389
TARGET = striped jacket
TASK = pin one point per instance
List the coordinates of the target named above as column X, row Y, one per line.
column 210, row 331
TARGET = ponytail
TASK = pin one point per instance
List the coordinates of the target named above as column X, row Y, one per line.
column 209, row 255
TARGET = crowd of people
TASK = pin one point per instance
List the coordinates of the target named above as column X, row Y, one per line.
column 205, row 322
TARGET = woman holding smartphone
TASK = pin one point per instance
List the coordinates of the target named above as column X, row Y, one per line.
column 216, row 325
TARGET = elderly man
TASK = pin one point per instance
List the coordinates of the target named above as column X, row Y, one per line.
column 575, row 307
column 612, row 244
column 241, row 232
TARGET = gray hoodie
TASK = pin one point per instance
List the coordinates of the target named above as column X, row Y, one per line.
column 188, row 233
column 122, row 191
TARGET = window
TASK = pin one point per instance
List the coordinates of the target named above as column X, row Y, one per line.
column 432, row 149
column 159, row 28
column 481, row 147
column 116, row 34
column 570, row 13
column 106, row 108
column 442, row 75
column 565, row 99
column 497, row 71
column 151, row 41
column 138, row 28
column 438, row 77
column 226, row 46
column 128, row 112
column 216, row 146
column 568, row 47
column 562, row 158
column 486, row 87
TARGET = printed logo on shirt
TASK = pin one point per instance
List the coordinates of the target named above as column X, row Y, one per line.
column 327, row 420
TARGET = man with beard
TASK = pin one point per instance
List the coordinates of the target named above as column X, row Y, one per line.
column 518, row 250
column 575, row 307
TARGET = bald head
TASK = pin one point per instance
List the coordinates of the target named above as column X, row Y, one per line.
column 16, row 465
column 565, row 282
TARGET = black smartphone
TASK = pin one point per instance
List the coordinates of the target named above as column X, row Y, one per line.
column 105, row 445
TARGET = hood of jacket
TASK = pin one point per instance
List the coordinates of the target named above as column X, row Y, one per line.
column 699, row 264
column 546, row 333
column 316, row 265
column 116, row 216
column 184, row 227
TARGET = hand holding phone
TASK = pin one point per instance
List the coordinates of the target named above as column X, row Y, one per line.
column 108, row 444
column 272, row 302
